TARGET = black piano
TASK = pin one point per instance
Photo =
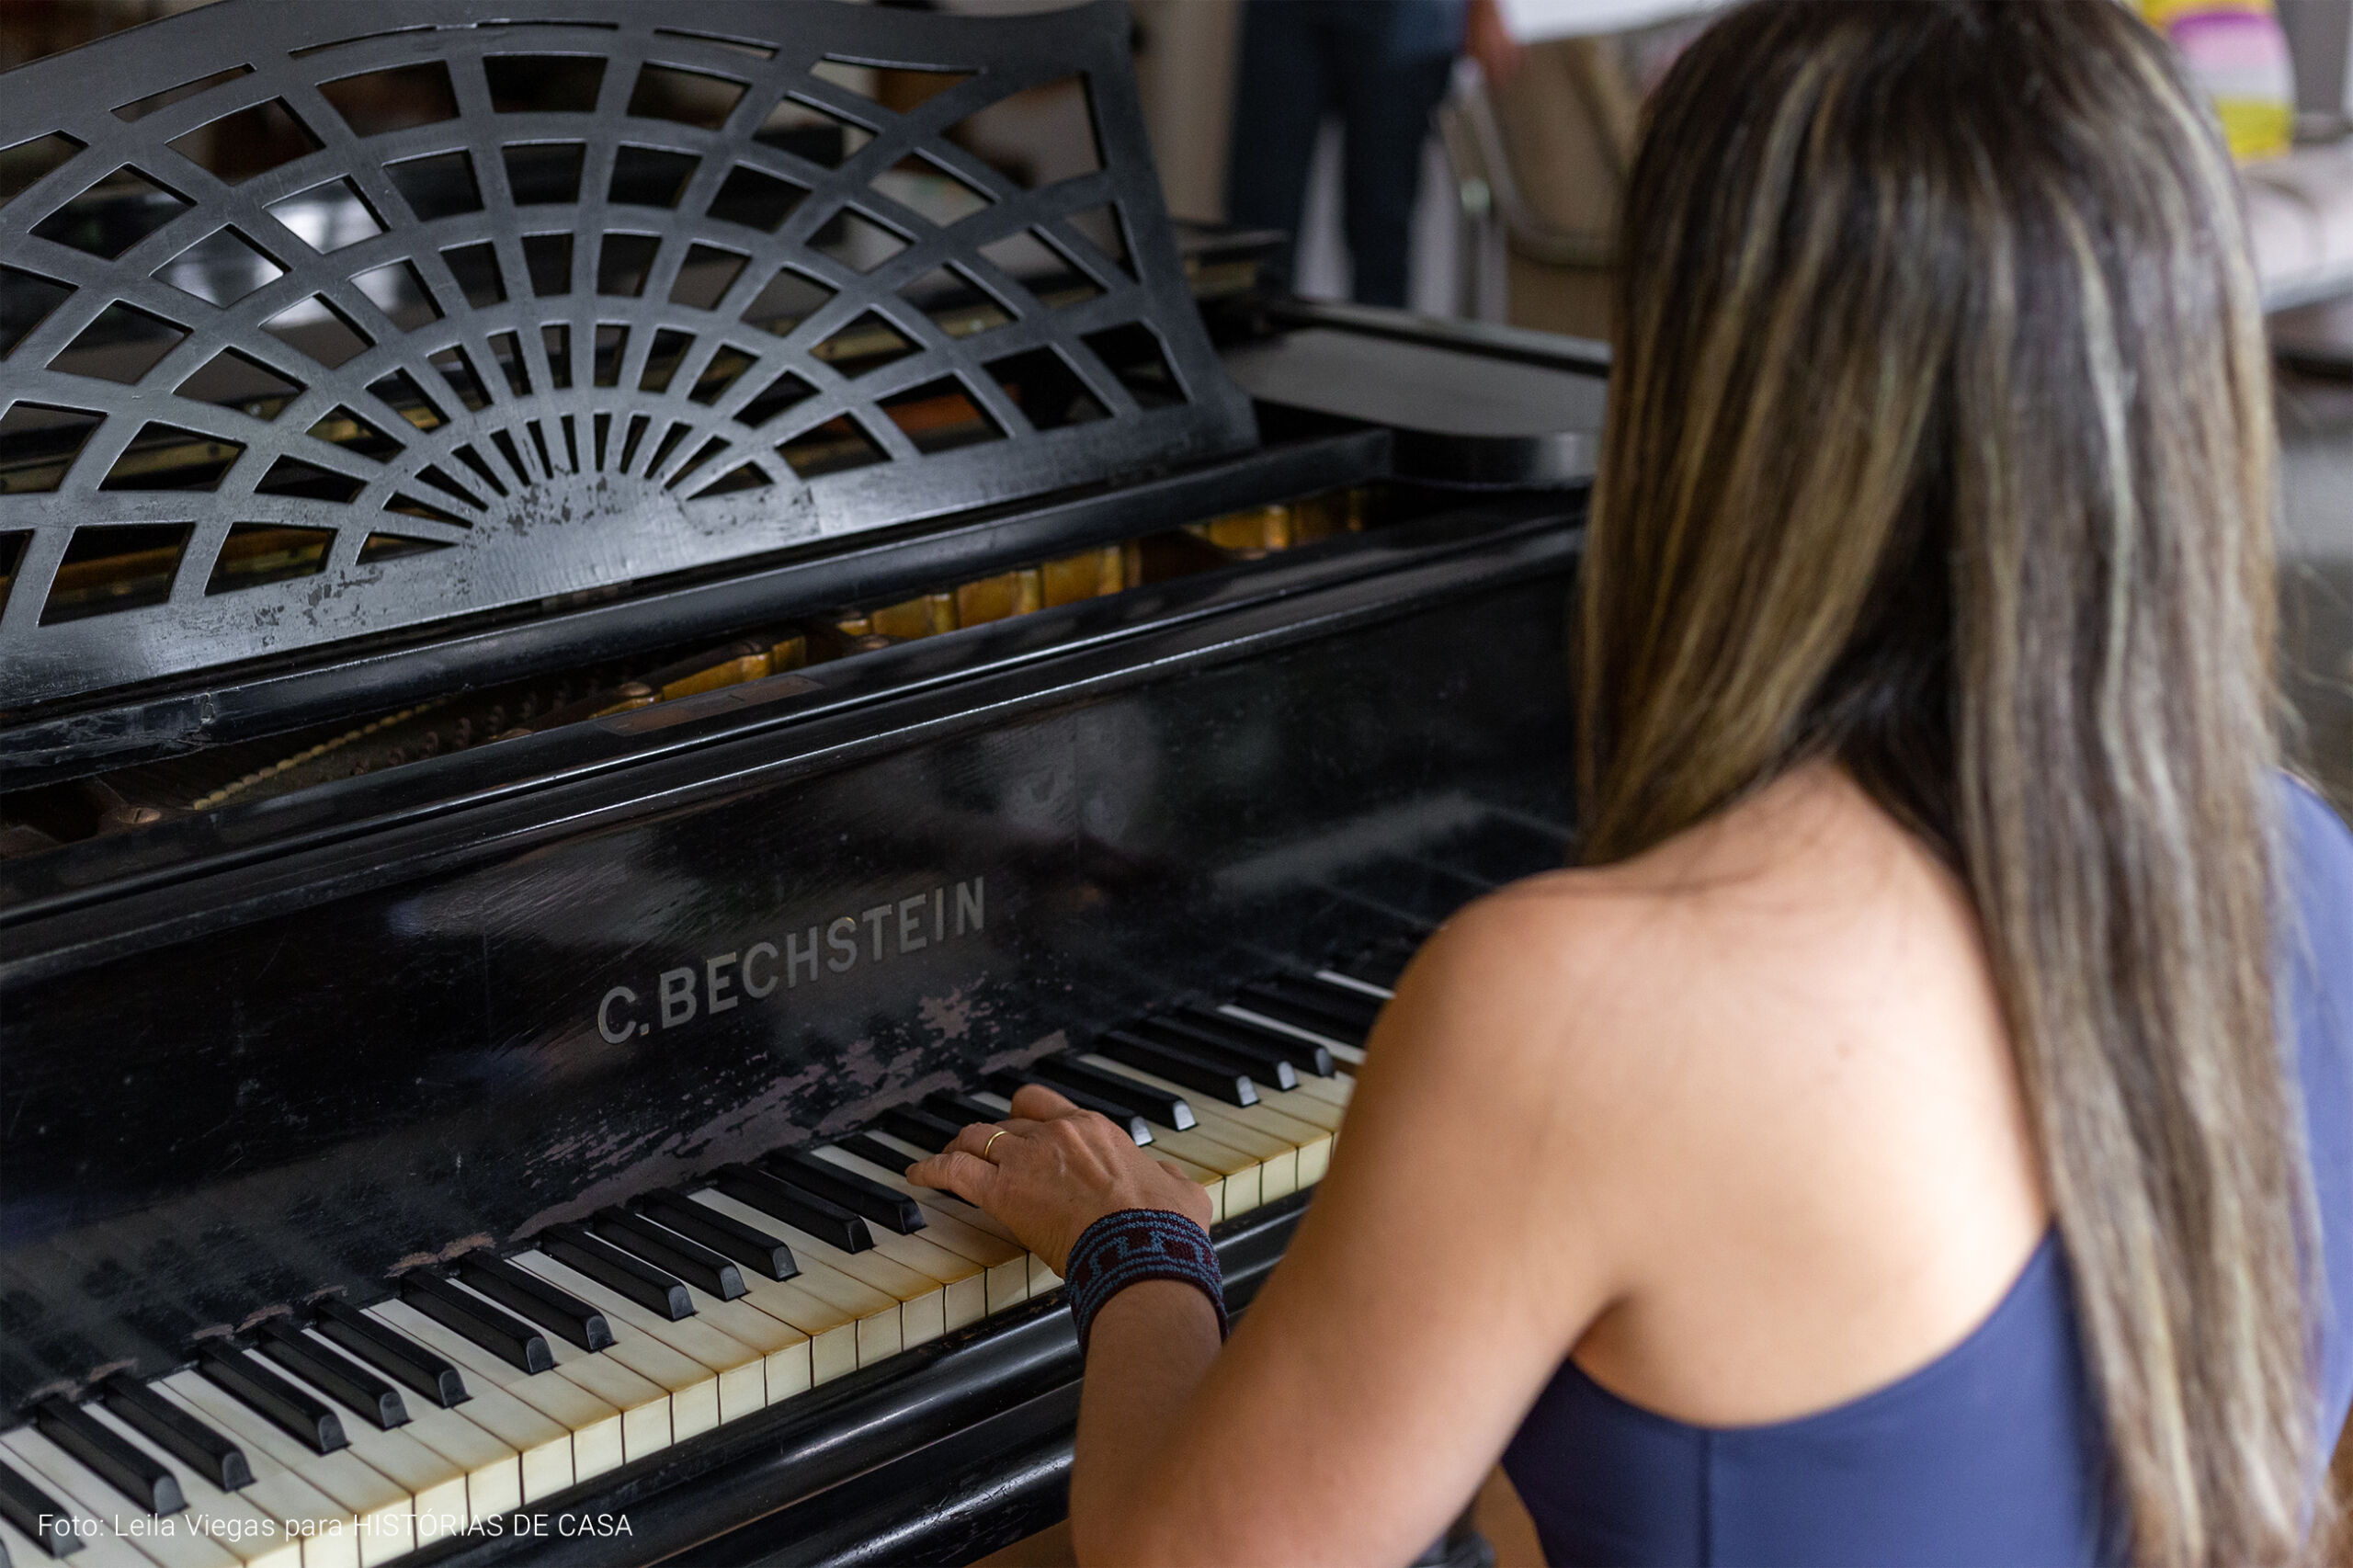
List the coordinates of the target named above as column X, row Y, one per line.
column 608, row 628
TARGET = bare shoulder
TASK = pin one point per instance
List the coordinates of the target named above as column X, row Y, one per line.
column 1524, row 985
column 1798, row 952
column 1788, row 888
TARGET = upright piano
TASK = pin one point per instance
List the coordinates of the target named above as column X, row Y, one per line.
column 606, row 632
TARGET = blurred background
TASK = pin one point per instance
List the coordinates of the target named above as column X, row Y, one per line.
column 1465, row 158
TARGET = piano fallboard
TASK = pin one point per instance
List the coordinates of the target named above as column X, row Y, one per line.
column 300, row 1045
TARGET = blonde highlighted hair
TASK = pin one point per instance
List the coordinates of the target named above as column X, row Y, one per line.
column 1940, row 443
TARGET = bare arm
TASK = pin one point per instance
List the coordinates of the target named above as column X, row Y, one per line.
column 1423, row 1304
column 1738, row 1120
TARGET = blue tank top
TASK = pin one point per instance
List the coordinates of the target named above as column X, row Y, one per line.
column 1993, row 1453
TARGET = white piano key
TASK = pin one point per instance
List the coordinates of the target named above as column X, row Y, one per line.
column 923, row 1305
column 253, row 1536
column 1341, row 1049
column 1350, row 982
column 1325, row 1109
column 782, row 1348
column 832, row 1331
column 1250, row 1166
column 1333, row 1090
column 493, row 1467
column 876, row 1316
column 326, row 1529
column 380, row 1512
column 693, row 1385
column 963, row 1283
column 735, row 1368
column 100, row 1547
column 435, row 1488
column 643, row 1404
column 510, row 1452
column 1311, row 1144
column 167, row 1540
column 1004, row 1262
column 23, row 1551
column 444, row 1485
column 1300, row 1105
column 563, row 1433
column 1316, row 1110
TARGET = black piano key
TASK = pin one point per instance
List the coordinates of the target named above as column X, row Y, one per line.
column 1384, row 963
column 1197, row 1070
column 796, row 1206
column 548, row 1305
column 877, row 1203
column 912, row 1124
column 37, row 1513
column 244, row 1378
column 1307, row 1005
column 336, row 1376
column 1340, row 977
column 212, row 1455
column 1233, row 1053
column 1005, row 1083
column 753, row 1248
column 706, row 1270
column 1471, row 879
column 138, row 1476
column 624, row 1274
column 1340, row 993
column 961, row 1109
column 1237, row 1035
column 1227, row 1041
column 1157, row 1106
column 874, row 1151
column 395, row 1354
column 1382, row 966
column 471, row 1318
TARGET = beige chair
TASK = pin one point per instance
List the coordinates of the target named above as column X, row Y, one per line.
column 1543, row 165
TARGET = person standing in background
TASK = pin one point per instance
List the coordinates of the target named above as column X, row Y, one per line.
column 1382, row 66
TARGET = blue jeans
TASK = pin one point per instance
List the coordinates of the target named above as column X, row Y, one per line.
column 1382, row 65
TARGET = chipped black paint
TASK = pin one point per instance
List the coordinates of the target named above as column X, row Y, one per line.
column 348, row 1068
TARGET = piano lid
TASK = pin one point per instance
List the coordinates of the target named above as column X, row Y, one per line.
column 322, row 321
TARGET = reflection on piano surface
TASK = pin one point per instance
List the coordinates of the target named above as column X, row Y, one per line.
column 138, row 796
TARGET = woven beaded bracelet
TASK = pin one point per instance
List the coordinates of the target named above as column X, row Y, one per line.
column 1133, row 1245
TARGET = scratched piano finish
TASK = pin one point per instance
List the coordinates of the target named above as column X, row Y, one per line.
column 461, row 1025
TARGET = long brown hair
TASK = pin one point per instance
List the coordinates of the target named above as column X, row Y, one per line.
column 1940, row 444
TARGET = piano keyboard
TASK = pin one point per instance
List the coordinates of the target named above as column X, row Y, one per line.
column 361, row 1435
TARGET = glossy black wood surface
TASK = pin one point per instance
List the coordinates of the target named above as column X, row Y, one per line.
column 388, row 671
column 368, row 1030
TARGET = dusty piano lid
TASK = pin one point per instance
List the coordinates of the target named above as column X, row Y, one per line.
column 364, row 317
column 1469, row 403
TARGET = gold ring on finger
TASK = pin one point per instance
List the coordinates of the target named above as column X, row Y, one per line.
column 991, row 1144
